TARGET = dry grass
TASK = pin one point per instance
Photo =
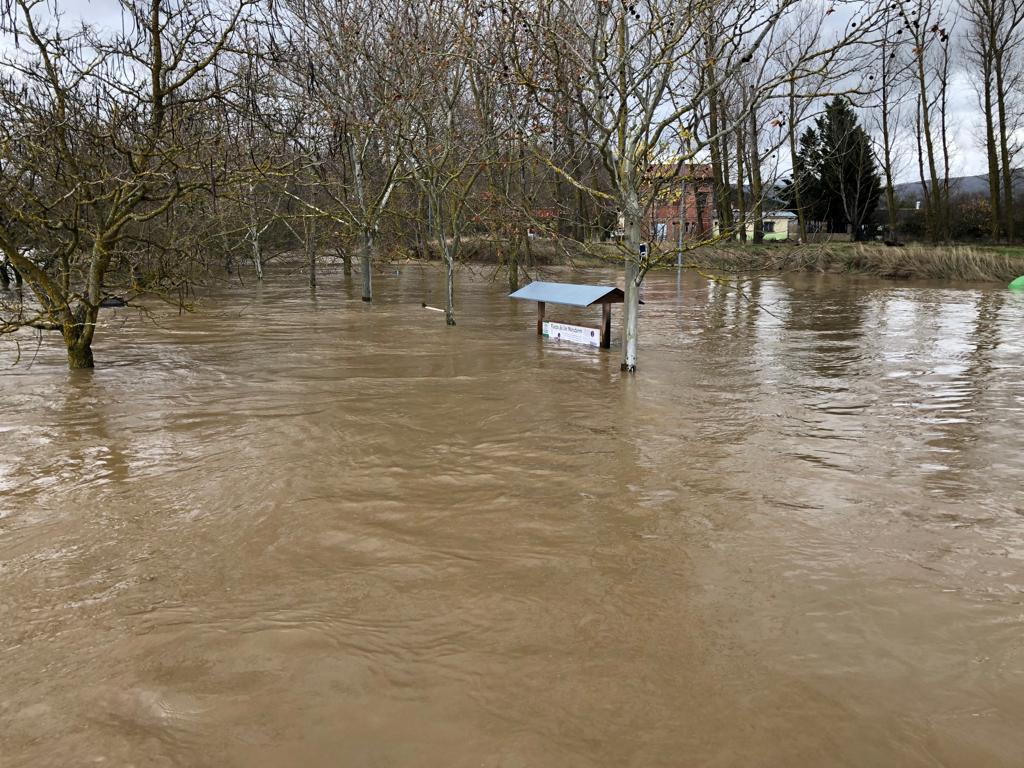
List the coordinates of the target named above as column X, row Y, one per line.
column 991, row 264
column 956, row 262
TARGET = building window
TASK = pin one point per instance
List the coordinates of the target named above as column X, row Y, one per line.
column 767, row 226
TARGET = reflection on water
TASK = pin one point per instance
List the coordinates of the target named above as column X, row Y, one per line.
column 298, row 530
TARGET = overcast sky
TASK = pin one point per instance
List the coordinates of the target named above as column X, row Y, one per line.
column 965, row 118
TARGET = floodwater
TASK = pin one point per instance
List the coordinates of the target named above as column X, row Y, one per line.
column 295, row 530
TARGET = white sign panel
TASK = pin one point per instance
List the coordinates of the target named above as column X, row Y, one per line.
column 576, row 333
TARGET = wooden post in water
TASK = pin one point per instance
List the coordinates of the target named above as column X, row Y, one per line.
column 606, row 325
column 540, row 318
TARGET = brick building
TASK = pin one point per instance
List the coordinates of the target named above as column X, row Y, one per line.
column 692, row 183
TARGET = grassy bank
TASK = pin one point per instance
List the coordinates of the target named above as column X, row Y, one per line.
column 954, row 262
column 964, row 263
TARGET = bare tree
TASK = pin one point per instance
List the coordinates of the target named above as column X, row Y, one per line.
column 104, row 133
column 638, row 72
column 445, row 144
column 361, row 64
column 894, row 83
column 498, row 100
column 993, row 49
column 924, row 22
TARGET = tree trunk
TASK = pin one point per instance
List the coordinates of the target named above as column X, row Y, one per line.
column 718, row 164
column 630, row 312
column 578, row 226
column 934, row 195
column 727, row 191
column 78, row 335
column 225, row 247
column 257, row 255
column 920, row 166
column 887, row 163
column 561, row 206
column 80, row 357
column 449, row 289
column 309, row 233
column 794, row 162
column 741, row 202
column 992, row 151
column 754, row 165
column 367, row 264
column 512, row 266
column 943, row 114
column 682, row 219
column 5, row 278
column 1004, row 150
column 631, row 305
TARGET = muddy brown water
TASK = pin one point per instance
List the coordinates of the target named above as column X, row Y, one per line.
column 300, row 530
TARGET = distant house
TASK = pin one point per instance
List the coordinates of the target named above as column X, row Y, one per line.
column 776, row 226
column 681, row 199
column 683, row 205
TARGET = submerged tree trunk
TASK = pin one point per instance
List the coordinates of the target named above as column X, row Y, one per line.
column 79, row 355
column 369, row 245
column 630, row 308
column 257, row 254
column 631, row 305
column 512, row 265
column 449, row 288
column 78, row 331
column 309, row 233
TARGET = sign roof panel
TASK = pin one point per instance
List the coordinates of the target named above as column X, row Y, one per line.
column 573, row 294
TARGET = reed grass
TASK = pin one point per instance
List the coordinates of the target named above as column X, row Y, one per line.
column 959, row 263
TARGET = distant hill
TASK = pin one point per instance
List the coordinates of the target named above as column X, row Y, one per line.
column 970, row 186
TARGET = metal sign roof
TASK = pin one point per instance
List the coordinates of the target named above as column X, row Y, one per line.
column 573, row 294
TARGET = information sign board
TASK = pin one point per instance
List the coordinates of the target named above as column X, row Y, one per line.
column 576, row 333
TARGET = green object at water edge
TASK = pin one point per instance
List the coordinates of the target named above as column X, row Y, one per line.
column 1018, row 284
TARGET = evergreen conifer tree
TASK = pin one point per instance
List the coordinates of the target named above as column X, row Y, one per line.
column 837, row 171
